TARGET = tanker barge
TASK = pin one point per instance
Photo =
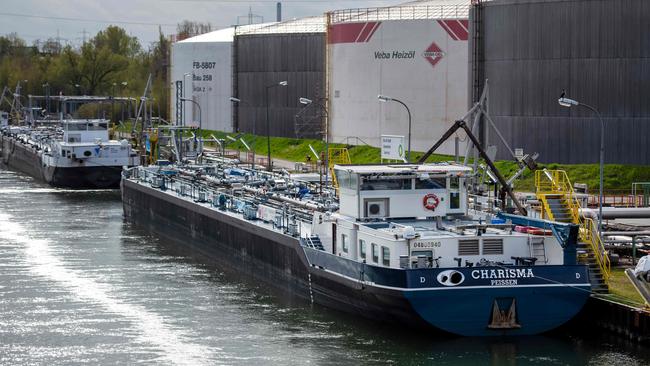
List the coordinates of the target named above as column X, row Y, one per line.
column 400, row 243
column 70, row 154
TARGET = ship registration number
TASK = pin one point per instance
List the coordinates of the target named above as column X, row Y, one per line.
column 426, row 244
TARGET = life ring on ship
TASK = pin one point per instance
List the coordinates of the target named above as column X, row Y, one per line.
column 430, row 201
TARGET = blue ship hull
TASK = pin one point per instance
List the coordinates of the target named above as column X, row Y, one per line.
column 489, row 301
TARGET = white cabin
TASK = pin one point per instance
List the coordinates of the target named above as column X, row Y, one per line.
column 414, row 216
column 402, row 191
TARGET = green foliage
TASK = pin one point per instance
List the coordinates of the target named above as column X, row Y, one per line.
column 617, row 177
column 100, row 66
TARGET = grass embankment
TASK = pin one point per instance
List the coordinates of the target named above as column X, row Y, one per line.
column 622, row 290
column 616, row 177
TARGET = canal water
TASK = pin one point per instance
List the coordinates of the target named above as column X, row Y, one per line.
column 80, row 285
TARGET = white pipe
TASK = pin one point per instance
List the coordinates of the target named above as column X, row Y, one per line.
column 618, row 213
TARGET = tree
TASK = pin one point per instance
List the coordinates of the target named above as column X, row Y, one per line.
column 187, row 29
column 117, row 41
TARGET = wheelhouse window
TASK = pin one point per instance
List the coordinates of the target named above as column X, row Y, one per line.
column 375, row 253
column 431, row 183
column 369, row 183
column 96, row 126
column 362, row 248
column 454, row 183
column 385, row 256
column 344, row 243
column 75, row 127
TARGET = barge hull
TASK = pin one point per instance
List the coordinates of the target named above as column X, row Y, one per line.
column 269, row 257
column 27, row 159
column 279, row 261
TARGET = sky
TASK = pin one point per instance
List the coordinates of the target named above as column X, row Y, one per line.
column 74, row 20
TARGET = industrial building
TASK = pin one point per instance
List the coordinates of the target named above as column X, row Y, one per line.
column 597, row 51
column 415, row 52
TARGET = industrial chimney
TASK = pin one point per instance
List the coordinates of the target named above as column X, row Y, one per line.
column 279, row 12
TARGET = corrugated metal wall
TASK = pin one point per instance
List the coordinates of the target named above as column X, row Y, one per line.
column 264, row 60
column 599, row 51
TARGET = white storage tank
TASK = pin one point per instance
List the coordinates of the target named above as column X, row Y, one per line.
column 417, row 53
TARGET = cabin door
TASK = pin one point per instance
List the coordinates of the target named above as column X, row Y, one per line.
column 333, row 238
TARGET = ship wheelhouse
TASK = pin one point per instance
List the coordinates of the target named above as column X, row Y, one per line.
column 416, row 216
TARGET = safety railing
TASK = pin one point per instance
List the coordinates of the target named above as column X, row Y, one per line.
column 337, row 155
column 589, row 234
column 405, row 12
column 557, row 183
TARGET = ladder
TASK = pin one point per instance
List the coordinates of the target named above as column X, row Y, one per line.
column 559, row 203
column 537, row 249
column 337, row 155
column 313, row 242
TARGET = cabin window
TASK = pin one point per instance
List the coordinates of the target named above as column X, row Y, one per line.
column 454, row 183
column 76, row 127
column 354, row 181
column 342, row 178
column 96, row 127
column 384, row 184
column 454, row 200
column 375, row 253
column 431, row 183
column 385, row 256
column 344, row 243
column 362, row 248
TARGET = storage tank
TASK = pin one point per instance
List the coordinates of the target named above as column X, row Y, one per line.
column 531, row 50
column 204, row 65
column 416, row 53
column 292, row 51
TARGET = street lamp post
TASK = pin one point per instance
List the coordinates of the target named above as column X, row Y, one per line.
column 384, row 98
column 46, row 89
column 128, row 104
column 239, row 101
column 307, row 102
column 184, row 94
column 198, row 105
column 268, row 123
column 200, row 121
column 566, row 102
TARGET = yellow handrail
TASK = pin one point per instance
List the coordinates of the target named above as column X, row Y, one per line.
column 555, row 182
column 587, row 234
column 337, row 155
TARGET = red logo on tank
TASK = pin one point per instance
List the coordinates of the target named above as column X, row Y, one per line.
column 433, row 54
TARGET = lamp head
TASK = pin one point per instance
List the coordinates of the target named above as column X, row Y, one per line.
column 384, row 98
column 566, row 102
column 235, row 100
column 283, row 83
column 305, row 101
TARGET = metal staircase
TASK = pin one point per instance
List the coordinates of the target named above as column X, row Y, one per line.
column 313, row 242
column 559, row 203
